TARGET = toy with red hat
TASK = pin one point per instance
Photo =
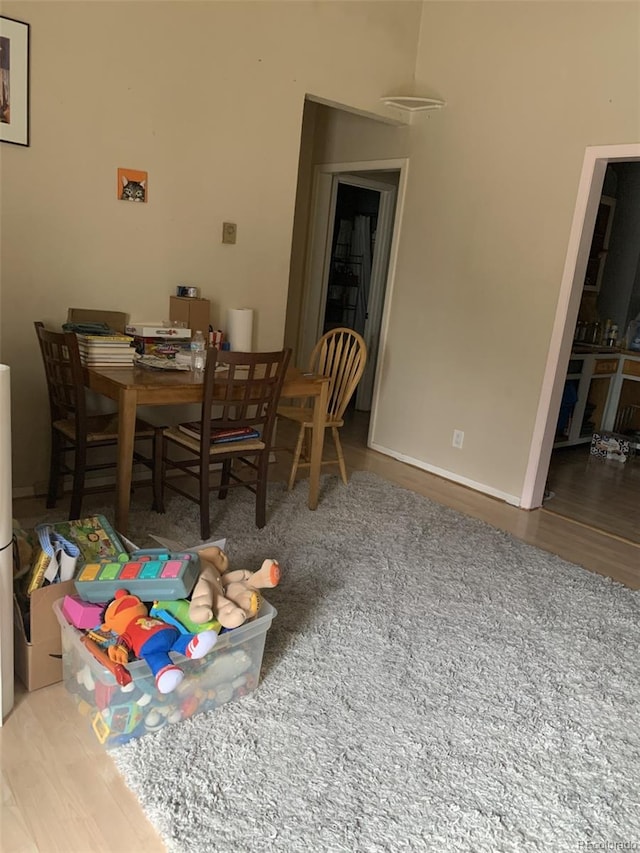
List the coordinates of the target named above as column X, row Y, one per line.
column 152, row 639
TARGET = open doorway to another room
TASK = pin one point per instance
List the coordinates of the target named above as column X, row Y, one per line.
column 353, row 236
column 352, row 175
column 354, row 279
column 593, row 475
column 352, row 248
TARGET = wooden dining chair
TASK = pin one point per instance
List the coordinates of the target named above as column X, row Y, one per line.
column 241, row 393
column 340, row 354
column 73, row 429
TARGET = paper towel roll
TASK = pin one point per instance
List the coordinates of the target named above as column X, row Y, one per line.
column 240, row 329
column 6, row 552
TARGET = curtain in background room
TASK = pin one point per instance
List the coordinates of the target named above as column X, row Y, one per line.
column 361, row 246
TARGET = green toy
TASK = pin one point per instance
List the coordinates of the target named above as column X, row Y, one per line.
column 177, row 613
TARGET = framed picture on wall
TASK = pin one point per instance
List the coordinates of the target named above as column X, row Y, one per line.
column 14, row 81
column 133, row 185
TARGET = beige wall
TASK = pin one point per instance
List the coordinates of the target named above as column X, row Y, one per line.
column 206, row 97
column 210, row 103
column 343, row 137
column 490, row 198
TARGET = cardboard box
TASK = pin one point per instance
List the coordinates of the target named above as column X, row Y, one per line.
column 196, row 313
column 37, row 646
column 38, row 661
column 157, row 330
column 161, row 347
column 114, row 319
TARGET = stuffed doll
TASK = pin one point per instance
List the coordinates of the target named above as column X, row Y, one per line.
column 152, row 639
column 230, row 597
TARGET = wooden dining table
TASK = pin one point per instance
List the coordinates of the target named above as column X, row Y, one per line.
column 135, row 386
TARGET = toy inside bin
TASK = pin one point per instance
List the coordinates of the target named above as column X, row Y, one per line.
column 116, row 714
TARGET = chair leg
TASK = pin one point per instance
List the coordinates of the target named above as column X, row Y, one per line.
column 55, row 461
column 261, row 490
column 341, row 463
column 79, row 469
column 205, row 521
column 158, row 471
column 225, row 476
column 296, row 458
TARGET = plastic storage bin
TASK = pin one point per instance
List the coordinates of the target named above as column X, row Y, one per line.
column 117, row 714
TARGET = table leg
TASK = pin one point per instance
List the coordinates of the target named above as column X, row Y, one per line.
column 127, row 403
column 317, row 443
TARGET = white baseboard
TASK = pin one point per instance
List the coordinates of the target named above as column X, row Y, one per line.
column 514, row 500
column 141, row 475
column 109, row 480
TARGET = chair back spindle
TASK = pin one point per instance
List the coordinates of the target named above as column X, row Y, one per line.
column 341, row 355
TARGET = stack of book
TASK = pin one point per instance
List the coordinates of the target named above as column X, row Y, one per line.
column 113, row 350
column 219, row 436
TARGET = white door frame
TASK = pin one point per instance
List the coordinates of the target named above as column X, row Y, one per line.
column 595, row 163
column 323, row 202
column 6, row 549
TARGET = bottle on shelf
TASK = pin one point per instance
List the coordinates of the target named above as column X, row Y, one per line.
column 595, row 335
column 197, row 351
column 612, row 338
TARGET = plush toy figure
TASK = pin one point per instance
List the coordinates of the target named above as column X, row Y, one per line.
column 152, row 639
column 230, row 597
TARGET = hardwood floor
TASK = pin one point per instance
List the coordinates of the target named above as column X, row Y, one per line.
column 597, row 492
column 60, row 790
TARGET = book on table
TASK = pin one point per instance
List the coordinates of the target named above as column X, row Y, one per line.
column 103, row 351
column 219, row 435
column 115, row 338
column 103, row 357
column 114, row 352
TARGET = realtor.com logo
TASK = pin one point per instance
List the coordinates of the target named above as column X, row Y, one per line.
column 609, row 845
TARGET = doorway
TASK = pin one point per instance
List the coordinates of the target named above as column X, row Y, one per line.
column 356, row 273
column 590, row 189
column 353, row 236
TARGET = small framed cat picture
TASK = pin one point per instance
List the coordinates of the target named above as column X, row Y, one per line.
column 132, row 185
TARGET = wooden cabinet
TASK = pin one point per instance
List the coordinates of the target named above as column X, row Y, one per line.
column 623, row 411
column 586, row 401
column 602, row 394
column 600, row 243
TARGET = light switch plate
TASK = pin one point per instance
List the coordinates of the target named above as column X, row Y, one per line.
column 229, row 230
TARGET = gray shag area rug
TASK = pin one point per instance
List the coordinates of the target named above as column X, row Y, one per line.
column 429, row 683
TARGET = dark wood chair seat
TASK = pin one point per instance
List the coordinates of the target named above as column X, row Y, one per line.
column 102, row 428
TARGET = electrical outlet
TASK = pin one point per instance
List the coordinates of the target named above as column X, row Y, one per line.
column 229, row 230
column 458, row 438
